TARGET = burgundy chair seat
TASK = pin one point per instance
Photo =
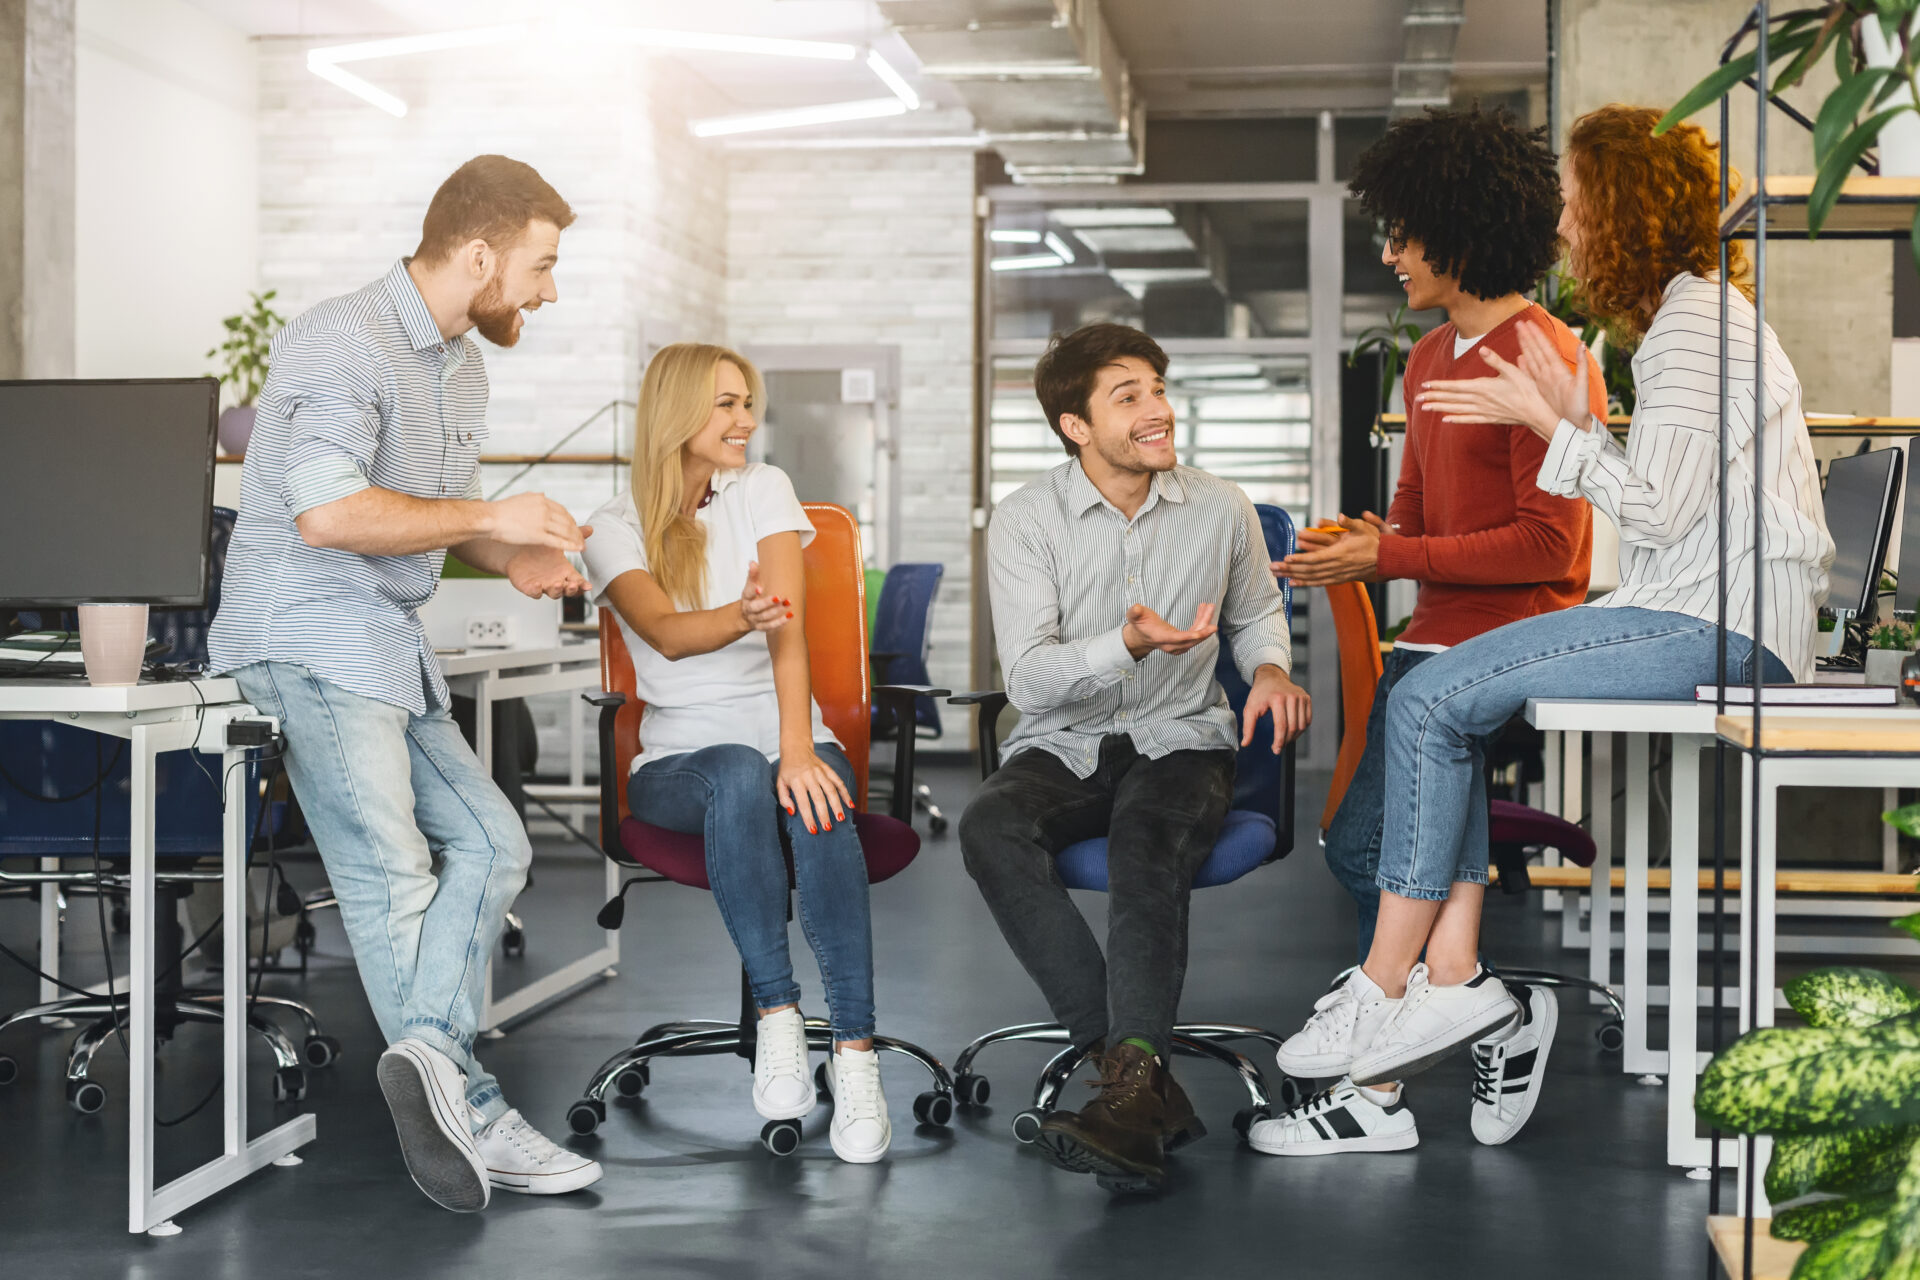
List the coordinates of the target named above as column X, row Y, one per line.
column 1510, row 823
column 888, row 844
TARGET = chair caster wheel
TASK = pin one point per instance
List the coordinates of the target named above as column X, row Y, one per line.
column 9, row 1070
column 86, row 1097
column 937, row 823
column 513, row 942
column 1026, row 1125
column 584, row 1116
column 1291, row 1093
column 970, row 1090
column 1611, row 1035
column 781, row 1137
column 289, row 1084
column 304, row 936
column 934, row 1108
column 321, row 1051
column 1247, row 1117
column 631, row 1082
column 821, row 1089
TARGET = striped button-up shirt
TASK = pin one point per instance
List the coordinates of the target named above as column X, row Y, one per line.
column 363, row 391
column 1064, row 566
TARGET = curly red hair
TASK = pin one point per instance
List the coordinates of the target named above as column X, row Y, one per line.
column 1648, row 209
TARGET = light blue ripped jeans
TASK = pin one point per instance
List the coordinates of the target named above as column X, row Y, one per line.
column 386, row 792
column 1440, row 707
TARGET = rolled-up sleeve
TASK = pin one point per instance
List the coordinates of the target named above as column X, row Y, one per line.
column 327, row 384
column 1042, row 670
column 1253, row 616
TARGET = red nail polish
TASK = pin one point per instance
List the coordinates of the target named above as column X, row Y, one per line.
column 812, row 830
column 789, row 615
column 789, row 811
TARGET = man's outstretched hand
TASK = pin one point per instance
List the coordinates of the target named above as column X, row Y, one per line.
column 544, row 572
column 1273, row 692
column 1146, row 631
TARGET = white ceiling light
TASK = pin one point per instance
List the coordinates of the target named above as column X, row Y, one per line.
column 1026, row 262
column 892, row 79
column 1005, row 235
column 1059, row 247
column 1077, row 216
column 797, row 117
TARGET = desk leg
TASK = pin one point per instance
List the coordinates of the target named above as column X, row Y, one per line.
column 1684, row 1147
column 1757, row 859
column 49, row 933
column 1551, row 802
column 1637, row 1059
column 140, row 989
column 1600, row 893
column 233, row 980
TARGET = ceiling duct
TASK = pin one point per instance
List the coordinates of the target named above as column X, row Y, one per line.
column 1043, row 78
column 1423, row 77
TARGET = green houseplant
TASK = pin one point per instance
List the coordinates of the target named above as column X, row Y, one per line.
column 244, row 355
column 1393, row 341
column 1841, row 1097
column 1887, row 647
column 1875, row 60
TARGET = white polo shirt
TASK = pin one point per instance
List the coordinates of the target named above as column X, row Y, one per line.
column 727, row 695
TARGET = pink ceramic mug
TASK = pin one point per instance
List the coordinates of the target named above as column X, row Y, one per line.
column 113, row 641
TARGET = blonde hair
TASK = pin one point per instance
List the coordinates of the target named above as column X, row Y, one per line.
column 676, row 401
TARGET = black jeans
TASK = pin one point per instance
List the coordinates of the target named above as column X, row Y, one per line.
column 1160, row 818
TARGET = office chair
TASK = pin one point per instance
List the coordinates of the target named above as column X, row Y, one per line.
column 1514, row 831
column 48, row 777
column 836, row 641
column 900, row 637
column 1258, row 830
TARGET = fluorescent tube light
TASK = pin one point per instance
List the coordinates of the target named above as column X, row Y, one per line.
column 428, row 43
column 1077, row 216
column 1008, row 236
column 1026, row 262
column 1059, row 246
column 892, row 79
column 798, row 117
column 356, row 86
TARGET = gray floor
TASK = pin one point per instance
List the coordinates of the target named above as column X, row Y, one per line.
column 1583, row 1191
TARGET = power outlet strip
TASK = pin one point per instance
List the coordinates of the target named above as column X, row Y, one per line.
column 489, row 631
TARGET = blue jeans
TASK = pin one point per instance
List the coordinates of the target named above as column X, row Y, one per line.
column 1469, row 691
column 725, row 794
column 386, row 793
column 1353, row 841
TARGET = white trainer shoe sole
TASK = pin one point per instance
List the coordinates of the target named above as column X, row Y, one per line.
column 1336, row 1146
column 1381, row 1067
column 435, row 1136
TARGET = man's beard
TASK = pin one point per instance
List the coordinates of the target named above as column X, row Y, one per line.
column 491, row 315
column 1125, row 455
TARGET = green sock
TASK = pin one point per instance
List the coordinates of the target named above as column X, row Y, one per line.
column 1141, row 1045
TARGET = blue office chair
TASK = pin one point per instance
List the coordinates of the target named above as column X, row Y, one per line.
column 1258, row 830
column 50, row 777
column 902, row 628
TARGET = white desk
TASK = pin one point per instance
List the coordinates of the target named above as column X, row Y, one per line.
column 487, row 676
column 1691, row 724
column 155, row 718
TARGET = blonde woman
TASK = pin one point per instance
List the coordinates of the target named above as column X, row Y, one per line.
column 701, row 561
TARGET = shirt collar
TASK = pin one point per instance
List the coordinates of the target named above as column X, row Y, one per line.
column 1082, row 497
column 418, row 322
column 724, row 480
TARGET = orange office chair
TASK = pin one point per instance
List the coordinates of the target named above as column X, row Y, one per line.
column 1360, row 670
column 837, row 643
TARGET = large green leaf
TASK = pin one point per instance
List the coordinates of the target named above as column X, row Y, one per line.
column 1905, row 819
column 1858, row 1162
column 1814, row 1079
column 1822, row 1218
column 1727, row 76
column 1843, row 104
column 1847, row 996
column 1848, row 1255
column 1900, row 1246
column 1909, row 925
column 1837, row 165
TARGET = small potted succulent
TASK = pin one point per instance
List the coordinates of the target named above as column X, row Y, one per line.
column 245, row 352
column 1887, row 647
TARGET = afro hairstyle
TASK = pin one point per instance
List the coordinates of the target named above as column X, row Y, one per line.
column 1479, row 193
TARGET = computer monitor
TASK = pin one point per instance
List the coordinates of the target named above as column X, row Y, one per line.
column 1906, row 600
column 106, row 491
column 1859, row 501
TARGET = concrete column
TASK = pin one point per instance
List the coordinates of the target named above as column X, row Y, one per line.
column 1831, row 302
column 36, row 188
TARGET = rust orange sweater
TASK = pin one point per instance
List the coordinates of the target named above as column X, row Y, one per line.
column 1487, row 545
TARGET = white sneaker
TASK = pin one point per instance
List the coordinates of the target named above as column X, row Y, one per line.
column 1507, row 1070
column 521, row 1158
column 861, row 1132
column 782, row 1086
column 427, row 1094
column 1431, row 1022
column 1344, row 1019
column 1343, row 1118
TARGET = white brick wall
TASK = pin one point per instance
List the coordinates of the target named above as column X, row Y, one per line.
column 876, row 247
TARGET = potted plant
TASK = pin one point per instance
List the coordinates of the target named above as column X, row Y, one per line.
column 245, row 352
column 1876, row 98
column 1393, row 342
column 1887, row 647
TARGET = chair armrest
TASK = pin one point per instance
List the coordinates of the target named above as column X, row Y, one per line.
column 899, row 699
column 609, row 704
column 987, row 725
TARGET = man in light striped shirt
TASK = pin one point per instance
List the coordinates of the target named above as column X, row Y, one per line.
column 1123, row 731
column 362, row 473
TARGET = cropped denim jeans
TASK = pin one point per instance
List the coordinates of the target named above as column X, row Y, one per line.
column 725, row 794
column 1439, row 710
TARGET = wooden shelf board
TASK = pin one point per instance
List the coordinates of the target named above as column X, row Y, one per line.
column 1772, row 1259
column 1800, row 880
column 1839, row 734
column 1866, row 204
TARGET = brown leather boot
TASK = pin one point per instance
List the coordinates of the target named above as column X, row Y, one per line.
column 1183, row 1124
column 1119, row 1136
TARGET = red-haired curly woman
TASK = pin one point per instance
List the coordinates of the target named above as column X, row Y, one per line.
column 1640, row 226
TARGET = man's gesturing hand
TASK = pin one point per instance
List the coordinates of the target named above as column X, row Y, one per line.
column 534, row 520
column 1273, row 692
column 1146, row 631
column 543, row 572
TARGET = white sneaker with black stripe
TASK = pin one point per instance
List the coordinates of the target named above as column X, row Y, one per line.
column 1343, row 1118
column 1509, row 1065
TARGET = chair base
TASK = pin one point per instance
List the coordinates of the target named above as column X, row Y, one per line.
column 1611, row 1034
column 1195, row 1039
